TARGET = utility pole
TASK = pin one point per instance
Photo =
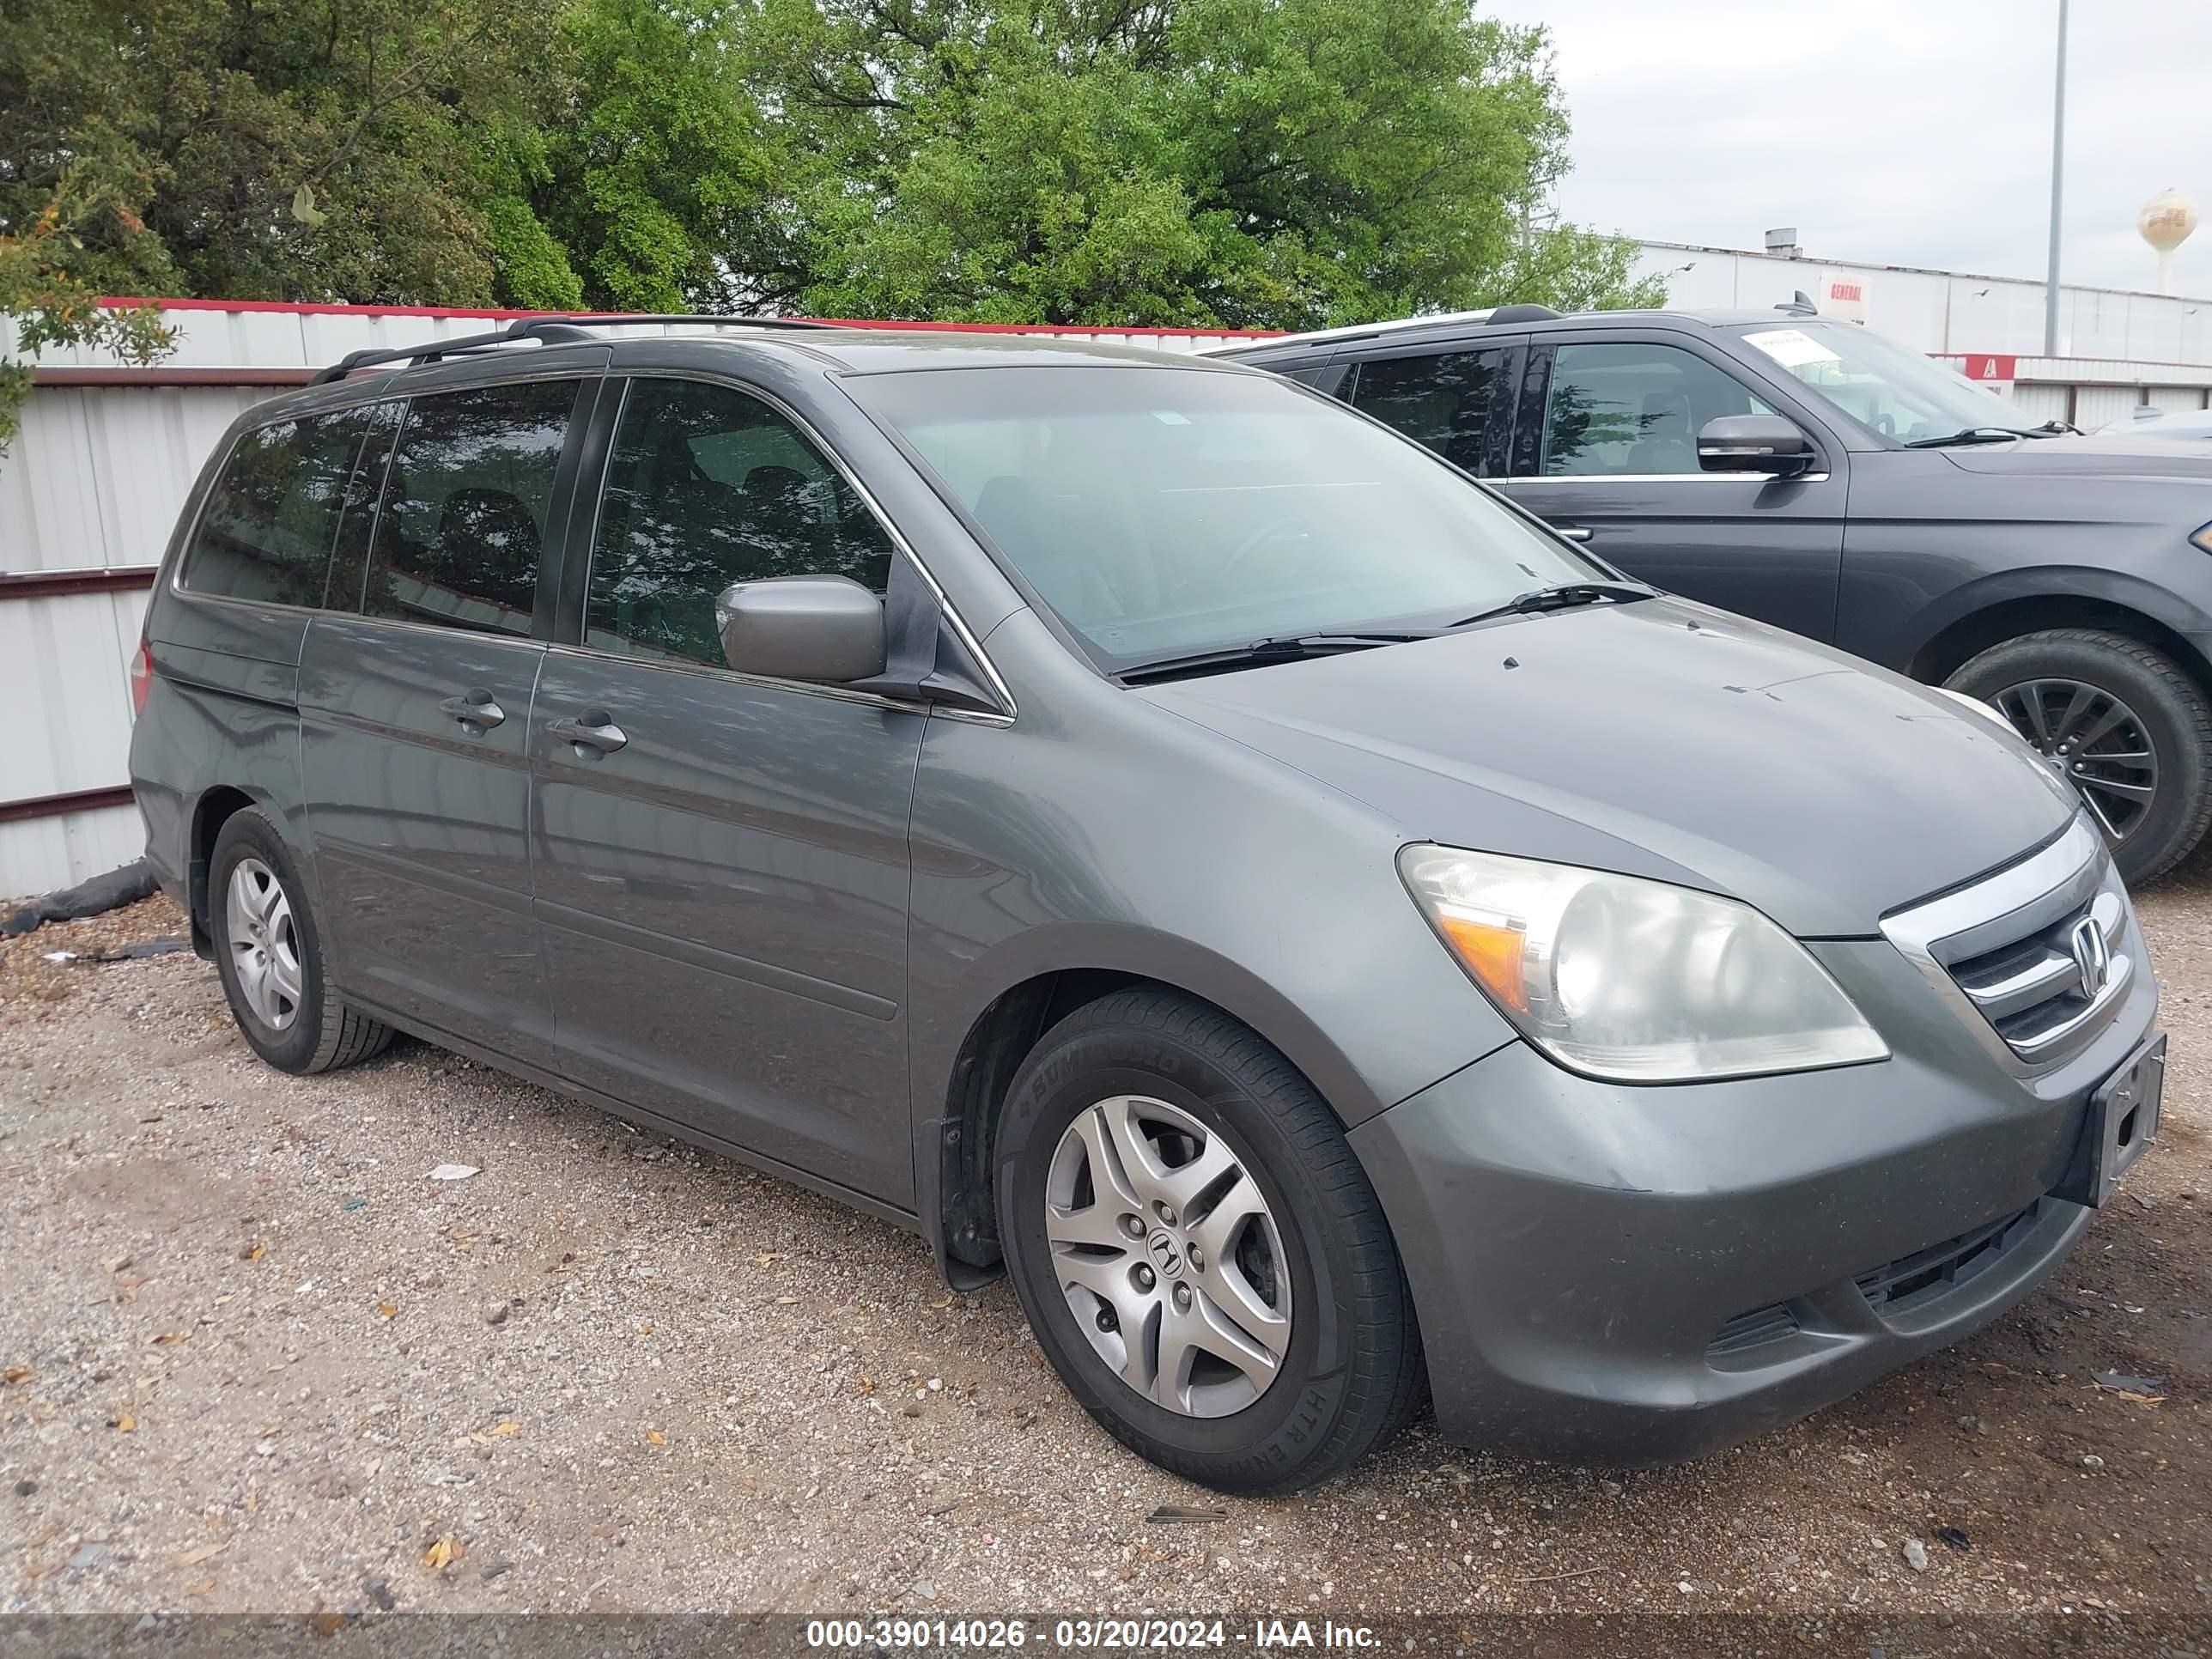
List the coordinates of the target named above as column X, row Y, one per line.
column 2057, row 176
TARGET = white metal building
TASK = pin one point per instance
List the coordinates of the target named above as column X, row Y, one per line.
column 88, row 493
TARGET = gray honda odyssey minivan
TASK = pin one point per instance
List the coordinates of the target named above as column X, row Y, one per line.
column 1162, row 835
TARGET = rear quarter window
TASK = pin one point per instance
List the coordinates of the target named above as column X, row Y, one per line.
column 272, row 517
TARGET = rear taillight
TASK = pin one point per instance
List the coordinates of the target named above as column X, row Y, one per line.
column 141, row 678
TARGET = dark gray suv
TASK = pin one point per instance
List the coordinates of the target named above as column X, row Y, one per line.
column 1814, row 475
column 1161, row 834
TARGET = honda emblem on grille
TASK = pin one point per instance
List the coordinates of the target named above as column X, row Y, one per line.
column 2093, row 957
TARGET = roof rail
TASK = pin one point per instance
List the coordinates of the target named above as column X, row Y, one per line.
column 1523, row 313
column 1346, row 333
column 559, row 329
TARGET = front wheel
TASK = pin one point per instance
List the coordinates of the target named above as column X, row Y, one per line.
column 1197, row 1249
column 2121, row 723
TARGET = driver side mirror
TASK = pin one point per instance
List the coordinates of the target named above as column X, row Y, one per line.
column 829, row 630
column 1754, row 443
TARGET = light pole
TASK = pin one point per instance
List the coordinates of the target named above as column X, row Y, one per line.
column 2057, row 175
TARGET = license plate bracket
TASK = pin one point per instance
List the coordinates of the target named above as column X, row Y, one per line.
column 2121, row 1122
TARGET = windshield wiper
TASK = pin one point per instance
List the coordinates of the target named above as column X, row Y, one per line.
column 1971, row 434
column 1562, row 597
column 2055, row 429
column 1281, row 648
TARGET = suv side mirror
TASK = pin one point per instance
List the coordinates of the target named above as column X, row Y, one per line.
column 824, row 628
column 1754, row 443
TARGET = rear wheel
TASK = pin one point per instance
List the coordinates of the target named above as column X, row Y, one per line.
column 1197, row 1249
column 2121, row 723
column 269, row 954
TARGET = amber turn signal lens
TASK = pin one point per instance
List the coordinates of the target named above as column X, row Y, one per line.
column 1496, row 955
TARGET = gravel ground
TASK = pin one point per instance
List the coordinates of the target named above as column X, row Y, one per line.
column 256, row 1361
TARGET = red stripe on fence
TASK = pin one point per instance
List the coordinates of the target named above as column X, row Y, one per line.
column 47, row 584
column 52, row 807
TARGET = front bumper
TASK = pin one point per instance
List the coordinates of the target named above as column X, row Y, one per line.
column 1631, row 1276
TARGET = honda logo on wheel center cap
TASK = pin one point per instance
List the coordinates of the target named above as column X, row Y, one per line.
column 1166, row 1254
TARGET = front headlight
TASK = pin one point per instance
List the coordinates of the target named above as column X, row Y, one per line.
column 1638, row 980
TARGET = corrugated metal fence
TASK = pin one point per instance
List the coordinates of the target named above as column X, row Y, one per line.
column 88, row 493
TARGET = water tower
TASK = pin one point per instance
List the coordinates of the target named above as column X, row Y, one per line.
column 2165, row 220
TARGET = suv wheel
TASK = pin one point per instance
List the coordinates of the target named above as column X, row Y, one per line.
column 2122, row 724
column 1199, row 1251
column 269, row 954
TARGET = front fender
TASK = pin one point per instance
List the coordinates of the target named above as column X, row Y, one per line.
column 2169, row 605
column 952, row 1177
column 1182, row 964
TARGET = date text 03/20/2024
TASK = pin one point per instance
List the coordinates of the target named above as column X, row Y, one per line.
column 1106, row 1634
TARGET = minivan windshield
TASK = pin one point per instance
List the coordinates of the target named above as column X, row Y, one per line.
column 1879, row 383
column 1160, row 511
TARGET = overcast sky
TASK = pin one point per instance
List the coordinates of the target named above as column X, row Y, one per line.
column 1913, row 132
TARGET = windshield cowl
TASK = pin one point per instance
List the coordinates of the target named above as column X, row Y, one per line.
column 1288, row 648
column 2137, row 463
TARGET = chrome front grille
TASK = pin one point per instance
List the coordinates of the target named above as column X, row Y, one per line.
column 2041, row 990
column 2034, row 959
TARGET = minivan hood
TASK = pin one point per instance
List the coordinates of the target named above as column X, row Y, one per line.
column 2116, row 457
column 1660, row 739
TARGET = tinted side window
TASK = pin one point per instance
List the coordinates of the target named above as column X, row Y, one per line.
column 470, row 489
column 1444, row 401
column 707, row 487
column 270, row 522
column 1634, row 409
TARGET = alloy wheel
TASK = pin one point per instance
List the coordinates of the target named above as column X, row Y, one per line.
column 1167, row 1254
column 264, row 945
column 2092, row 739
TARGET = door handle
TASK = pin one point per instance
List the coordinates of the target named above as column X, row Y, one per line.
column 477, row 712
column 1575, row 533
column 594, row 731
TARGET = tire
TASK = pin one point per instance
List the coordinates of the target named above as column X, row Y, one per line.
column 1315, row 1270
column 2160, row 702
column 269, row 954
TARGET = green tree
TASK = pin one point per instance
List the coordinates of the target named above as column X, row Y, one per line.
column 1572, row 269
column 317, row 151
column 1241, row 162
column 91, row 216
column 1284, row 163
column 660, row 165
column 531, row 266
